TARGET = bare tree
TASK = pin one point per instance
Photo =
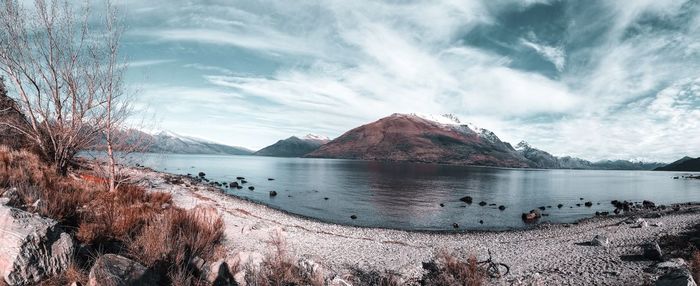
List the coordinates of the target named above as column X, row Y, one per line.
column 66, row 75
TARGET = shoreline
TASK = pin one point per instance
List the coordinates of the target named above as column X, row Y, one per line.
column 557, row 252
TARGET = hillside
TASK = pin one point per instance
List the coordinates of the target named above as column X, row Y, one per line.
column 293, row 146
column 410, row 137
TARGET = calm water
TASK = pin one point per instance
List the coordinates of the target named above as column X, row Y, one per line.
column 408, row 195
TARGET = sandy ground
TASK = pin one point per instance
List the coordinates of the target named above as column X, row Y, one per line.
column 558, row 253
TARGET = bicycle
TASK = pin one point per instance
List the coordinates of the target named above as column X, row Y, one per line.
column 495, row 269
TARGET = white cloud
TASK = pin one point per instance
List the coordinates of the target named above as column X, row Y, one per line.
column 338, row 64
column 555, row 55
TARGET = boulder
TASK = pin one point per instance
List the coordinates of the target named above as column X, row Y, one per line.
column 455, row 225
column 673, row 263
column 273, row 193
column 676, row 277
column 652, row 251
column 600, row 240
column 482, row 203
column 251, row 188
column 31, row 247
column 560, row 205
column 116, row 270
column 202, row 174
column 589, row 204
column 502, row 207
column 648, row 204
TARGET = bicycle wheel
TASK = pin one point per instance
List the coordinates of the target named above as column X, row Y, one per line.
column 497, row 270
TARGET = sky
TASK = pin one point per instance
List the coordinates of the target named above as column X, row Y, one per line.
column 592, row 79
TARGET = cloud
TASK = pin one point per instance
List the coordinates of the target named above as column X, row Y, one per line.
column 555, row 55
column 272, row 69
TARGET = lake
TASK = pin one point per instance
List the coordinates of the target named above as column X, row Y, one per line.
column 408, row 195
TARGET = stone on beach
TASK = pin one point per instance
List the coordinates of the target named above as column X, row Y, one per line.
column 116, row 270
column 600, row 240
column 31, row 247
column 676, row 277
column 652, row 251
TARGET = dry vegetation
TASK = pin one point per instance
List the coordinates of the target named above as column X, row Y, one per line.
column 695, row 265
column 279, row 268
column 131, row 222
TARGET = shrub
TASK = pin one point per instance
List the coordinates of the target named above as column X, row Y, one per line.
column 447, row 269
column 175, row 239
column 364, row 277
column 279, row 268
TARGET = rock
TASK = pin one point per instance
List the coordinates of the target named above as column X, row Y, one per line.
column 240, row 178
column 588, row 204
column 31, row 247
column 676, row 277
column 325, row 199
column 652, row 251
column 116, row 270
column 600, row 240
column 244, row 182
column 455, row 225
column 467, row 199
column 270, row 179
column 273, row 193
column 442, row 205
column 11, row 195
column 560, row 206
column 218, row 273
column 482, row 203
column 251, row 188
column 673, row 263
column 531, row 216
column 542, row 208
column 643, row 224
column 202, row 174
column 233, row 185
column 648, row 204
column 502, row 207
column 353, row 217
column 337, row 281
column 481, row 221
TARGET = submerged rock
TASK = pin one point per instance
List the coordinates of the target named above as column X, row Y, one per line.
column 353, row 217
column 482, row 203
column 502, row 207
column 273, row 193
column 466, row 199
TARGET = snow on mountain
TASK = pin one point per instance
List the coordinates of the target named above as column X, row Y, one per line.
column 453, row 122
column 170, row 142
column 316, row 137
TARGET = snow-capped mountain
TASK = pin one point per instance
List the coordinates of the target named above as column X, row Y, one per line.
column 171, row 142
column 294, row 146
column 422, row 138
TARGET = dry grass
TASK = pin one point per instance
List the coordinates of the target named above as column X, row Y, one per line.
column 131, row 221
column 280, row 269
column 695, row 265
column 175, row 239
column 371, row 277
column 448, row 270
column 73, row 274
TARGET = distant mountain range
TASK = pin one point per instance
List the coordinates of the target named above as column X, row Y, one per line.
column 412, row 138
column 172, row 143
column 686, row 164
column 542, row 159
column 293, row 146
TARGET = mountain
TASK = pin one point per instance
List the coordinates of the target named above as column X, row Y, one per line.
column 542, row 159
column 293, row 146
column 169, row 142
column 684, row 164
column 539, row 158
column 422, row 138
